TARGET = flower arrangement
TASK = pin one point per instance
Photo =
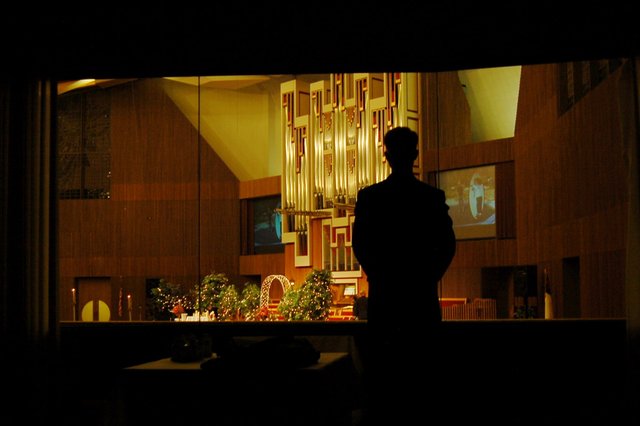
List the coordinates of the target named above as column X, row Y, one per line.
column 216, row 295
column 312, row 301
column 263, row 314
column 169, row 300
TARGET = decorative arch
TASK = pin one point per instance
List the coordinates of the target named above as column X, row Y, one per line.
column 266, row 287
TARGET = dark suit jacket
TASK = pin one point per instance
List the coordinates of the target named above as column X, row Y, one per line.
column 403, row 238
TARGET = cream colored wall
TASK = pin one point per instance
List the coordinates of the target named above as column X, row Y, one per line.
column 492, row 94
column 241, row 125
column 240, row 116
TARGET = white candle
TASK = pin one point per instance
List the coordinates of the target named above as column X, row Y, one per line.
column 129, row 303
column 73, row 295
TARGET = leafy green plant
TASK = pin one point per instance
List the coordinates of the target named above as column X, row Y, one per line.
column 228, row 303
column 206, row 295
column 316, row 294
column 250, row 301
column 168, row 299
column 289, row 306
column 312, row 301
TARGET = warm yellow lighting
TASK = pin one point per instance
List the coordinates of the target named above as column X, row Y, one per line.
column 492, row 94
column 350, row 290
column 67, row 86
column 229, row 82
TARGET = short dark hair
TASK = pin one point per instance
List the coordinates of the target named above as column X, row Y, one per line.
column 401, row 144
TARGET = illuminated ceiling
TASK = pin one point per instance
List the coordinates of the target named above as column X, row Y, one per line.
column 492, row 94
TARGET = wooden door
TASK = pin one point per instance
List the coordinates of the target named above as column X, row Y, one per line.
column 94, row 298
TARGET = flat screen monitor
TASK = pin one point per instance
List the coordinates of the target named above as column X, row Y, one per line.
column 267, row 225
column 471, row 197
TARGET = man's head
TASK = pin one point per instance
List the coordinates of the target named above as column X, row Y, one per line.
column 401, row 147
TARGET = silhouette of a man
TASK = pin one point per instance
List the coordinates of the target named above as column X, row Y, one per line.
column 404, row 241
column 403, row 238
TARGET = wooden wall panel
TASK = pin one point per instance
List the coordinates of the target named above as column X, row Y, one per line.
column 79, row 218
column 569, row 189
column 295, row 274
column 462, row 282
column 152, row 142
column 505, row 200
column 429, row 124
column 219, row 217
column 485, row 253
column 161, row 218
column 471, row 155
column 603, row 290
column 262, row 265
column 260, row 187
column 452, row 111
column 571, row 185
column 566, row 177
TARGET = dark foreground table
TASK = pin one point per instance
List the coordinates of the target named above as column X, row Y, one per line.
column 164, row 392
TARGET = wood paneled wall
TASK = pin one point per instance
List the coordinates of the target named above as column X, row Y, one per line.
column 173, row 201
column 261, row 265
column 260, row 187
column 562, row 181
column 447, row 106
column 567, row 194
column 571, row 186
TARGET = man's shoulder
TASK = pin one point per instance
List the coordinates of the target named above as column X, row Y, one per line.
column 427, row 188
column 389, row 185
column 375, row 187
column 431, row 189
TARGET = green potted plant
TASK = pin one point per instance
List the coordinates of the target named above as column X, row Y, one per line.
column 228, row 303
column 169, row 300
column 312, row 301
column 250, row 301
column 206, row 295
column 289, row 306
